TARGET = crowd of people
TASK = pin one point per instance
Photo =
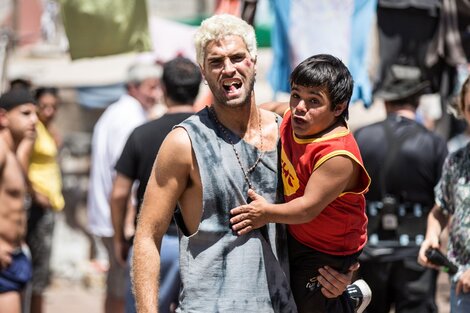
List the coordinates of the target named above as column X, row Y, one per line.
column 241, row 207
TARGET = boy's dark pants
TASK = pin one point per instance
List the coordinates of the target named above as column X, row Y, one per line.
column 304, row 264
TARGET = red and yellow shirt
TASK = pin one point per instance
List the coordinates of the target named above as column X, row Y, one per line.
column 341, row 228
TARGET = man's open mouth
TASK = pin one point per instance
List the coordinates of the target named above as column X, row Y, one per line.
column 232, row 85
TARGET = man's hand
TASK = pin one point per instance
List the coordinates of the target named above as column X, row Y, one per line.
column 5, row 254
column 249, row 216
column 463, row 285
column 429, row 242
column 333, row 282
column 121, row 251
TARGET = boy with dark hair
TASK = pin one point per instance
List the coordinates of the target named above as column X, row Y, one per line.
column 324, row 183
column 17, row 120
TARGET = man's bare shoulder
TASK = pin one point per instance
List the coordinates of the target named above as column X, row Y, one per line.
column 178, row 137
column 176, row 147
column 270, row 129
column 275, row 106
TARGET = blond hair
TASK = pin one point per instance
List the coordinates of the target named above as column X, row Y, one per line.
column 220, row 26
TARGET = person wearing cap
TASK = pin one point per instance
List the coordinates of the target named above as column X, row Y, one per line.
column 17, row 120
column 109, row 136
column 404, row 161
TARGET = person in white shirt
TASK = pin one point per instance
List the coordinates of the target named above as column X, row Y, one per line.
column 109, row 136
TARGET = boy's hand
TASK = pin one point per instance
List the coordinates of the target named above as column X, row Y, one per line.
column 249, row 216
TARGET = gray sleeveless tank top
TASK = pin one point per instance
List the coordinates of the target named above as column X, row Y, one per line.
column 220, row 271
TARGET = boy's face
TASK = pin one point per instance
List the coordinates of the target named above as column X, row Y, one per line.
column 311, row 110
column 22, row 121
column 230, row 71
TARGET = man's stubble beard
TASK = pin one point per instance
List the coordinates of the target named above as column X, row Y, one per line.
column 246, row 101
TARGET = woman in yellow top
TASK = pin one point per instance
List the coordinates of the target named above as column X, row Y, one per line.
column 40, row 162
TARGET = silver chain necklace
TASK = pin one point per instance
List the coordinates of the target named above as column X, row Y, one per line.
column 223, row 129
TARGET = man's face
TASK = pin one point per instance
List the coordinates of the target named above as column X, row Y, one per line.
column 311, row 110
column 22, row 121
column 230, row 71
column 147, row 92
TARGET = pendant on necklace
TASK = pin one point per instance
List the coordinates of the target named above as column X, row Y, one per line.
column 227, row 137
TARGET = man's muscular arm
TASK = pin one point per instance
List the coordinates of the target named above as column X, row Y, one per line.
column 120, row 195
column 167, row 183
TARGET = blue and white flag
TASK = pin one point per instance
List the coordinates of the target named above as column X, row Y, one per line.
column 303, row 28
